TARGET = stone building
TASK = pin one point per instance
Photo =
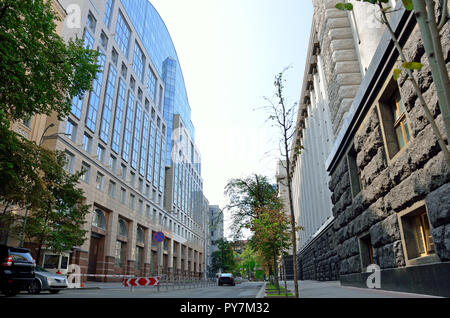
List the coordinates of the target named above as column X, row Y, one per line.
column 388, row 180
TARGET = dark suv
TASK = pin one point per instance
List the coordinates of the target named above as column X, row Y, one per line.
column 16, row 269
column 226, row 279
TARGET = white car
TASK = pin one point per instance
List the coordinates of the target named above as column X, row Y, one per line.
column 45, row 280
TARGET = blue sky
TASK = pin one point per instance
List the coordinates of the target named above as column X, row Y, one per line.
column 230, row 52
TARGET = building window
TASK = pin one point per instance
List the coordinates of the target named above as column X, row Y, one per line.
column 112, row 189
column 416, row 231
column 151, row 84
column 100, row 181
column 132, row 179
column 123, row 195
column 71, row 130
column 394, row 120
column 366, row 251
column 113, row 163
column 128, row 128
column 87, row 143
column 108, row 12
column 91, row 22
column 87, row 174
column 122, row 34
column 120, row 253
column 100, row 153
column 355, row 172
column 400, row 123
column 122, row 228
column 141, row 207
column 136, row 136
column 123, row 171
column 70, row 161
column 108, row 104
column 118, row 119
column 94, row 98
column 99, row 220
column 132, row 202
column 138, row 62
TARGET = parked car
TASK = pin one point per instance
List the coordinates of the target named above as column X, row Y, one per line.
column 16, row 270
column 226, row 278
column 46, row 280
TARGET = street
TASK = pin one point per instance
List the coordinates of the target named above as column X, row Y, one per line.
column 244, row 290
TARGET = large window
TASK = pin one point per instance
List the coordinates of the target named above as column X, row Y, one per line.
column 108, row 104
column 157, row 159
column 108, row 12
column 94, row 98
column 394, row 119
column 128, row 128
column 137, row 136
column 416, row 235
column 118, row 120
column 122, row 34
column 99, row 220
column 138, row 62
column 145, row 134
column 151, row 84
column 400, row 122
column 151, row 153
column 77, row 102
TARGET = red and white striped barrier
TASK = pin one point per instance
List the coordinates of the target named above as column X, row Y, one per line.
column 141, row 281
column 100, row 275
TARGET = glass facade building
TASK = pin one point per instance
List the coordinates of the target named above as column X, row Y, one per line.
column 122, row 130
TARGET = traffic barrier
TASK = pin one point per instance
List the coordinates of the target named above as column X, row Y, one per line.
column 141, row 281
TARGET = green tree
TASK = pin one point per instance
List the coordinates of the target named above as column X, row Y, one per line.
column 245, row 196
column 223, row 259
column 58, row 223
column 39, row 74
column 255, row 205
column 247, row 262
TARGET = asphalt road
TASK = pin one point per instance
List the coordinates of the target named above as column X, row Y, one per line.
column 244, row 290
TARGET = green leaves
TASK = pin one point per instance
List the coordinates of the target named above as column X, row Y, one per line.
column 344, row 6
column 408, row 4
column 413, row 65
column 397, row 73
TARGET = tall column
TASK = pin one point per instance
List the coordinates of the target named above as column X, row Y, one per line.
column 131, row 245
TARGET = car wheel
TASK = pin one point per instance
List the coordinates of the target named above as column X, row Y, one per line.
column 35, row 287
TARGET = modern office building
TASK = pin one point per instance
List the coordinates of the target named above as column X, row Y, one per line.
column 133, row 135
column 371, row 185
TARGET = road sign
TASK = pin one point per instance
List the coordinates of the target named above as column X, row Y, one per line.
column 141, row 281
column 159, row 237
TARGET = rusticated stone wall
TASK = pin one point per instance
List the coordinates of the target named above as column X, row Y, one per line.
column 389, row 185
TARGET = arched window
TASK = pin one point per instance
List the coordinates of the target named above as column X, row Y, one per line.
column 122, row 229
column 140, row 235
column 99, row 220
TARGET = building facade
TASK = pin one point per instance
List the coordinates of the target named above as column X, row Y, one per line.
column 140, row 179
column 381, row 172
column 216, row 231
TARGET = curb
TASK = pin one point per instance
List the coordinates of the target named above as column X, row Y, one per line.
column 262, row 291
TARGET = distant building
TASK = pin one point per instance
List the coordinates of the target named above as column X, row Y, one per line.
column 216, row 229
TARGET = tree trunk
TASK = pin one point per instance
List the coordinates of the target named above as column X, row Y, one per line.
column 431, row 39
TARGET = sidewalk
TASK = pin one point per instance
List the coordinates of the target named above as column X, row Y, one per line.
column 333, row 289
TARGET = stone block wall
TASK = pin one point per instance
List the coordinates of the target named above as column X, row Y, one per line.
column 389, row 186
